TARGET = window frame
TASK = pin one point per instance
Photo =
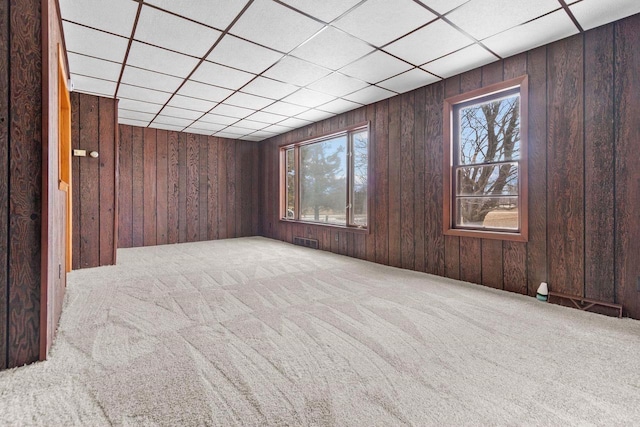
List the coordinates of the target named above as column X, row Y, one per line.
column 521, row 85
column 348, row 132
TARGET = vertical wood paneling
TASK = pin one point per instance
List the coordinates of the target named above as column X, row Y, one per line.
column 89, row 183
column 193, row 186
column 451, row 243
column 395, row 199
column 231, row 189
column 382, row 182
column 212, row 188
column 150, row 180
column 492, row 269
column 202, row 190
column 471, row 260
column 107, row 163
column 173, row 186
column 599, row 165
column 418, row 184
column 222, row 189
column 125, row 193
column 182, row 187
column 162, row 198
column 370, row 238
column 4, row 176
column 514, row 256
column 627, row 158
column 537, row 169
column 565, row 209
column 137, row 222
column 407, row 181
column 75, row 180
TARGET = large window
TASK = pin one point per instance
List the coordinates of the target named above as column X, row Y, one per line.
column 325, row 180
column 485, row 169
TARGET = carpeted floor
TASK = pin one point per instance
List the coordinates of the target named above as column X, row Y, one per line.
column 254, row 332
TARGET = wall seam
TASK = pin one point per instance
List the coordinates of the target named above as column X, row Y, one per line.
column 8, row 158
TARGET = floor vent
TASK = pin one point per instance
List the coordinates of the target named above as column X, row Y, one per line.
column 308, row 243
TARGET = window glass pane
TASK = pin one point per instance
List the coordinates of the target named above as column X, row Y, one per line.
column 498, row 179
column 291, row 184
column 488, row 212
column 323, row 181
column 359, row 185
column 489, row 131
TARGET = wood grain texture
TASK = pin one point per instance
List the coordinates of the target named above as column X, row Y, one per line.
column 627, row 155
column 4, row 176
column 150, row 180
column 25, row 183
column 107, row 161
column 193, row 186
column 407, row 181
column 137, row 222
column 565, row 209
column 125, row 193
column 223, row 147
column 492, row 268
column 471, row 259
column 514, row 255
column 451, row 243
column 395, row 196
column 537, row 170
column 419, row 179
column 370, row 238
column 173, row 218
column 493, row 73
column 599, row 165
column 515, row 66
column 182, row 187
column 162, row 187
column 231, row 188
column 89, row 183
column 75, row 179
column 212, row 188
column 381, row 218
column 202, row 189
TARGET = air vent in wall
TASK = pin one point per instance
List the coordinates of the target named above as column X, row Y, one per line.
column 308, row 243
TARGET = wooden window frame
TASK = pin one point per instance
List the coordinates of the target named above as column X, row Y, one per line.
column 348, row 132
column 449, row 180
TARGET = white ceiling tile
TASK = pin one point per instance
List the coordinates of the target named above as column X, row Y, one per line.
column 207, row 92
column 463, row 60
column 233, row 132
column 131, row 122
column 84, row 40
column 212, row 127
column 307, row 98
column 376, row 67
column 337, row 84
column 135, row 115
column 175, row 33
column 263, row 134
column 369, row 95
column 547, row 29
column 115, row 16
column 296, row 71
column 192, row 103
column 182, row 113
column 166, row 126
column 95, row 86
column 243, row 55
column 408, row 81
column 147, row 107
column 269, row 88
column 326, row 10
column 484, row 18
column 264, row 117
column 92, row 67
column 257, row 25
column 252, row 138
column 338, row 106
column 245, row 100
column 285, row 109
column 232, row 111
column 150, row 79
column 142, row 94
column 174, row 121
column 278, row 129
column 443, row 6
column 219, row 75
column 294, row 122
column 217, row 14
column 161, row 60
column 438, row 39
column 332, row 49
column 381, row 21
column 250, row 124
column 593, row 13
column 198, row 131
column 218, row 119
column 315, row 115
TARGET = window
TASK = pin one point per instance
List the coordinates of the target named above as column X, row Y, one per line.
column 485, row 162
column 325, row 180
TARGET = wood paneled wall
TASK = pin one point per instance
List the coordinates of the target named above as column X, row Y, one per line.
column 584, row 175
column 31, row 289
column 93, row 128
column 179, row 187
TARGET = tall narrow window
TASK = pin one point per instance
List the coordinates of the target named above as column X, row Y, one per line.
column 325, row 179
column 486, row 162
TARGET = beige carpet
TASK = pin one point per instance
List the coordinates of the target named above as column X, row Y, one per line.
column 254, row 332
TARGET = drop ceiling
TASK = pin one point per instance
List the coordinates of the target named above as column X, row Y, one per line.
column 252, row 69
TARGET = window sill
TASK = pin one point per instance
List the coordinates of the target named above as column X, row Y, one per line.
column 356, row 230
column 481, row 234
